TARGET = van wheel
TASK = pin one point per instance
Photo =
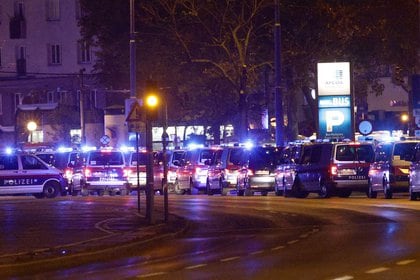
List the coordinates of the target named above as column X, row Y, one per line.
column 240, row 192
column 51, row 189
column 324, row 191
column 387, row 191
column 413, row 195
column 297, row 190
column 264, row 193
column 208, row 189
column 277, row 190
column 370, row 192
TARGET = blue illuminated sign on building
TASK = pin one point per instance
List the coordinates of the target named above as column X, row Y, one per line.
column 334, row 101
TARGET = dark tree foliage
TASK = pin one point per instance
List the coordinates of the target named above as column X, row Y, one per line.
column 197, row 50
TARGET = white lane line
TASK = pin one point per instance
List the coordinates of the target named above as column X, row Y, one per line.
column 277, row 248
column 229, row 259
column 377, row 270
column 196, row 266
column 257, row 252
column 345, row 277
column 151, row 274
column 405, row 262
column 304, row 235
column 292, row 242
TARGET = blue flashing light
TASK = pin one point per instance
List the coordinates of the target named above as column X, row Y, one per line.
column 126, row 149
column 64, row 149
column 249, row 144
column 88, row 148
column 9, row 151
column 193, row 146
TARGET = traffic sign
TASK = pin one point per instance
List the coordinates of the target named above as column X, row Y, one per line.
column 105, row 140
column 135, row 114
column 135, row 119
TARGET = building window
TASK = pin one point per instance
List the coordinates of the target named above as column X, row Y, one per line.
column 84, row 52
column 17, row 24
column 19, row 10
column 54, row 54
column 21, row 60
column 53, row 9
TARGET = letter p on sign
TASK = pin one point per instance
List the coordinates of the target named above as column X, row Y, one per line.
column 333, row 118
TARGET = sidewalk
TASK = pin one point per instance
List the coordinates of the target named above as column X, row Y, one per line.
column 123, row 235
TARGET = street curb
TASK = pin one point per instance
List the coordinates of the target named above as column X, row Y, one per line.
column 88, row 254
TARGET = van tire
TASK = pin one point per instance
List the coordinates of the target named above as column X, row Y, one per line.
column 370, row 192
column 51, row 189
column 324, row 190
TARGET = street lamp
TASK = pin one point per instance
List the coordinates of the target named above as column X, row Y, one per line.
column 405, row 120
column 31, row 126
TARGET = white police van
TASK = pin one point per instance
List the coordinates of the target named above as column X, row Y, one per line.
column 23, row 173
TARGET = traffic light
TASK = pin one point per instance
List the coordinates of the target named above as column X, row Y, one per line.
column 151, row 101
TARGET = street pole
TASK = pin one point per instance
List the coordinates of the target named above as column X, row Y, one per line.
column 278, row 98
column 82, row 109
column 132, row 51
column 138, row 172
column 149, row 173
column 165, row 139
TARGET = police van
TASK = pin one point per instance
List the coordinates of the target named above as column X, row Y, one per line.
column 23, row 173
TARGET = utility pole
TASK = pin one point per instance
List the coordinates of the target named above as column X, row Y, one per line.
column 278, row 98
column 132, row 51
column 82, row 109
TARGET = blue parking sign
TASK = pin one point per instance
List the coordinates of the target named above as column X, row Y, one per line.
column 335, row 123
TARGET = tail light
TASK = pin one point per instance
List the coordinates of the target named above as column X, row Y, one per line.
column 87, row 172
column 126, row 172
column 333, row 170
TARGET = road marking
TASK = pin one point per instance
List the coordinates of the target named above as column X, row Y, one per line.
column 277, row 248
column 151, row 274
column 377, row 270
column 229, row 259
column 196, row 266
column 292, row 242
column 345, row 277
column 304, row 235
column 405, row 262
column 257, row 252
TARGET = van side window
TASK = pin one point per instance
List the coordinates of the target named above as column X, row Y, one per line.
column 8, row 163
column 30, row 162
column 316, row 154
column 306, row 157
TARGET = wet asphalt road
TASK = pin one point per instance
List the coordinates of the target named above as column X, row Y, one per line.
column 225, row 237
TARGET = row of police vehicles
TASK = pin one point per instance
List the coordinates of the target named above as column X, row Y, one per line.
column 328, row 168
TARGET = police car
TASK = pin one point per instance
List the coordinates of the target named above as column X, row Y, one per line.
column 105, row 171
column 23, row 173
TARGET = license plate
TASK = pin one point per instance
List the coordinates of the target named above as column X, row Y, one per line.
column 262, row 172
column 347, row 172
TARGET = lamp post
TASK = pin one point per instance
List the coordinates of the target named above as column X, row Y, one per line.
column 151, row 106
column 31, row 126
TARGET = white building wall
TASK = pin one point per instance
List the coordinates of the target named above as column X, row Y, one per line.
column 39, row 33
column 393, row 98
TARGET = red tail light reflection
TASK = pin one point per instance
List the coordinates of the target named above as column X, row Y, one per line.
column 333, row 170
